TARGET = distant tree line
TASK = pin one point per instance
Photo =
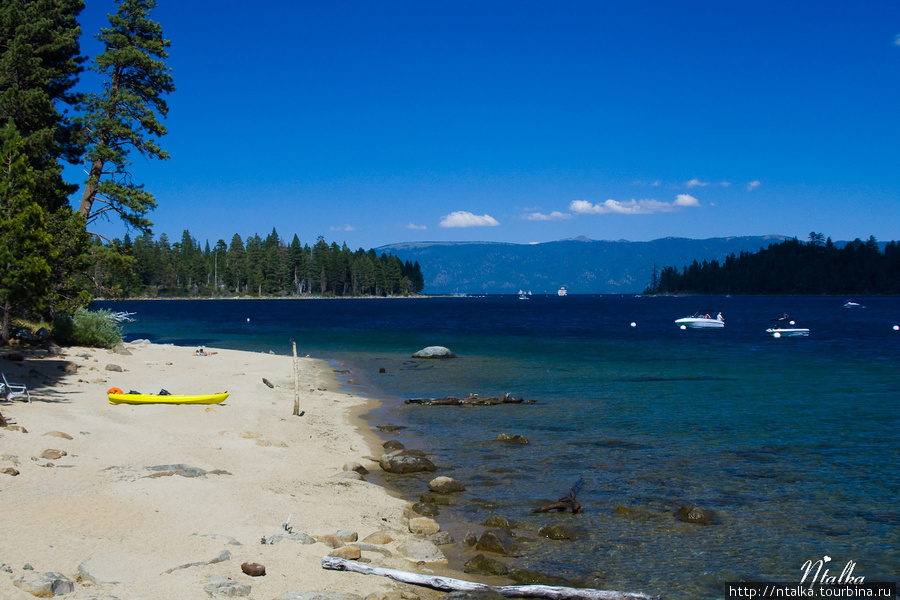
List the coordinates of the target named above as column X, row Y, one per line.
column 144, row 267
column 790, row 267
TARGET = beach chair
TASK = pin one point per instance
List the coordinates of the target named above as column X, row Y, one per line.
column 11, row 390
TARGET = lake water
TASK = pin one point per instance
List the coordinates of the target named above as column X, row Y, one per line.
column 791, row 444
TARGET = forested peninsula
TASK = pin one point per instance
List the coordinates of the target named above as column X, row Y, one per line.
column 816, row 267
column 257, row 267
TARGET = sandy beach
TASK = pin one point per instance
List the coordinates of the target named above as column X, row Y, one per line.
column 163, row 501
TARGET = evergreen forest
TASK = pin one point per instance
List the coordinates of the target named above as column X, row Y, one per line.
column 255, row 267
column 815, row 267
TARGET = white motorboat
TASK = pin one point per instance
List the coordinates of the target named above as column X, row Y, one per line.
column 701, row 321
column 786, row 327
column 852, row 304
column 562, row 291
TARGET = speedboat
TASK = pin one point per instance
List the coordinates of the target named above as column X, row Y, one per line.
column 786, row 327
column 701, row 321
column 852, row 304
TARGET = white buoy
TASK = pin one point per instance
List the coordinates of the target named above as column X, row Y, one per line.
column 776, row 335
column 633, row 324
column 684, row 327
column 896, row 327
column 248, row 319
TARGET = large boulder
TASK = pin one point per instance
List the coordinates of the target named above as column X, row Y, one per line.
column 434, row 352
column 482, row 565
column 403, row 462
column 423, row 526
column 446, row 485
column 421, row 550
column 498, row 541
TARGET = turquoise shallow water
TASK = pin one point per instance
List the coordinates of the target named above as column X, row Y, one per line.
column 791, row 444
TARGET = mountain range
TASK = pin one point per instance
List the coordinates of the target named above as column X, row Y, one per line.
column 582, row 265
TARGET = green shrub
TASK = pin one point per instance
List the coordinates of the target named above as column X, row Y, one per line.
column 95, row 329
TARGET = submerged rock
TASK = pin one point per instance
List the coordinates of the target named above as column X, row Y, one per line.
column 425, row 509
column 557, row 531
column 498, row 521
column 697, row 515
column 482, row 565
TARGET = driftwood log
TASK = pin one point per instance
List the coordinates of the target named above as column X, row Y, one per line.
column 470, row 400
column 510, row 591
column 566, row 502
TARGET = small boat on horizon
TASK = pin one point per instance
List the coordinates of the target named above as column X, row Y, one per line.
column 701, row 321
column 852, row 304
column 562, row 292
column 786, row 327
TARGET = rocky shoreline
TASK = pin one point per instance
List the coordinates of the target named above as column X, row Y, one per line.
column 106, row 502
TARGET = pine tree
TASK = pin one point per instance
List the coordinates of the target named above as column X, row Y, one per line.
column 25, row 245
column 126, row 114
column 39, row 66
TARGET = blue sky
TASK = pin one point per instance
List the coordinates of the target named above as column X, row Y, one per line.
column 374, row 122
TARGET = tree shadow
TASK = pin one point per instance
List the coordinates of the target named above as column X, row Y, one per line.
column 42, row 370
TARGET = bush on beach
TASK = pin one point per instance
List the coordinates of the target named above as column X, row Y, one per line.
column 95, row 329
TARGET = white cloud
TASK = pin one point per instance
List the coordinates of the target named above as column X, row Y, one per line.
column 554, row 216
column 463, row 218
column 344, row 228
column 696, row 183
column 725, row 184
column 753, row 185
column 686, row 200
column 417, row 227
column 632, row 207
column 897, row 40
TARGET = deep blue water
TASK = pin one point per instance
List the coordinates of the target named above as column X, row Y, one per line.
column 791, row 443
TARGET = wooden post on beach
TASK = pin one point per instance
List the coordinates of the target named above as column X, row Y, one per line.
column 296, row 381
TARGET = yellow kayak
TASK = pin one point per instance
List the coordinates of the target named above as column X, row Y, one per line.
column 169, row 399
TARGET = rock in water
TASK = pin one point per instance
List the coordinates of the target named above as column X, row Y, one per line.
column 497, row 541
column 481, row 565
column 695, row 514
column 405, row 463
column 445, row 485
column 434, row 352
